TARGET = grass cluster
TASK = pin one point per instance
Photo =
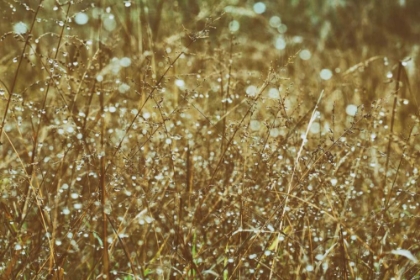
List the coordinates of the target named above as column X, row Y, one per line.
column 198, row 140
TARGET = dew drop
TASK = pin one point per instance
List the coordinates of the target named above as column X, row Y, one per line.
column 20, row 28
column 259, row 7
column 351, row 110
column 305, row 55
column 125, row 61
column 275, row 21
column 123, row 88
column 255, row 125
column 309, row 268
column 315, row 127
column 180, row 83
column 81, row 18
column 280, row 43
column 325, row 74
column 234, row 26
column 251, row 90
column 109, row 23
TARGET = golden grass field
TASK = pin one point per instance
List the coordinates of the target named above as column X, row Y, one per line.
column 181, row 139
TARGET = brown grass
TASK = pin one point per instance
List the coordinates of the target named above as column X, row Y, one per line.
column 168, row 147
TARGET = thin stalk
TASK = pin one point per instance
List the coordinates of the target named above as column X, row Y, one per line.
column 344, row 273
column 102, row 183
column 127, row 255
column 394, row 182
column 391, row 132
column 22, row 54
column 226, row 97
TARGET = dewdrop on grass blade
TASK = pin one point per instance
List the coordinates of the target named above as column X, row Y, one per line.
column 20, row 28
column 351, row 110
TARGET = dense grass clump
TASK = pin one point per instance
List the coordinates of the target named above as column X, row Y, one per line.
column 209, row 140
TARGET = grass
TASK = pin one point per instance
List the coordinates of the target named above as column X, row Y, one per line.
column 159, row 142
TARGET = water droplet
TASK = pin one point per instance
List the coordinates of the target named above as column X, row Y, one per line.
column 259, row 7
column 66, row 211
column 180, row 83
column 251, row 90
column 275, row 21
column 282, row 28
column 123, row 88
column 20, row 28
column 280, row 43
column 74, row 195
column 309, row 268
column 325, row 74
column 81, row 18
column 109, row 23
column 351, row 110
column 253, row 256
column 315, row 127
column 234, row 26
column 255, row 125
column 125, row 61
column 305, row 55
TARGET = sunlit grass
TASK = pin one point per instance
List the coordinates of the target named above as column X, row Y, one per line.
column 210, row 141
